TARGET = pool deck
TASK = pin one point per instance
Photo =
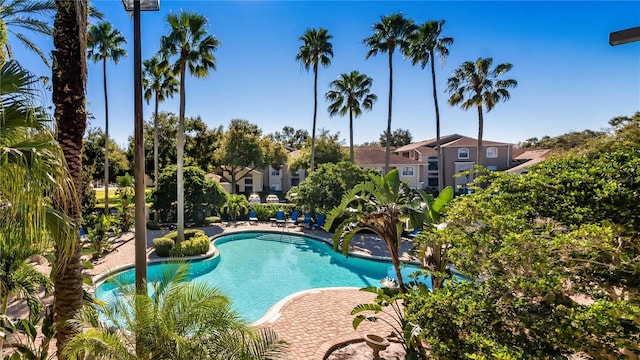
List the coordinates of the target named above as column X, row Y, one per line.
column 311, row 322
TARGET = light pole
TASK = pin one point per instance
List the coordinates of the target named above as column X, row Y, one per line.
column 138, row 172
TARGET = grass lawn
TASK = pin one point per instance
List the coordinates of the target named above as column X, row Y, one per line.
column 113, row 199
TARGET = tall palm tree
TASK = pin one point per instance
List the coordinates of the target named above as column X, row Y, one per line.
column 181, row 321
column 315, row 49
column 477, row 84
column 31, row 172
column 27, row 15
column 69, row 80
column 160, row 83
column 105, row 43
column 392, row 31
column 194, row 46
column 350, row 92
column 423, row 48
column 379, row 205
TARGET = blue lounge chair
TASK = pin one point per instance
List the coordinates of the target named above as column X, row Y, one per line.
column 253, row 217
column 307, row 220
column 414, row 233
column 294, row 218
column 319, row 223
column 280, row 218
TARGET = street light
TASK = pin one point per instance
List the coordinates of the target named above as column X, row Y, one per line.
column 138, row 171
column 624, row 36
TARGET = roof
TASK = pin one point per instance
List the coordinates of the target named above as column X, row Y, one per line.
column 465, row 141
column 374, row 155
column 428, row 143
column 529, row 154
column 528, row 158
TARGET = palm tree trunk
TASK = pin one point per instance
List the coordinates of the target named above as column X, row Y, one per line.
column 388, row 149
column 480, row 127
column 180, row 179
column 435, row 103
column 69, row 76
column 351, row 134
column 315, row 112
column 106, row 139
column 155, row 152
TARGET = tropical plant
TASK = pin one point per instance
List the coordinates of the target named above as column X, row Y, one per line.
column 31, row 173
column 126, row 193
column 378, row 205
column 104, row 43
column 328, row 149
column 98, row 235
column 422, row 49
column 182, row 320
column 392, row 31
column 477, row 84
column 24, row 14
column 350, row 91
column 315, row 50
column 189, row 40
column 69, row 80
column 235, row 206
column 160, row 83
column 31, row 344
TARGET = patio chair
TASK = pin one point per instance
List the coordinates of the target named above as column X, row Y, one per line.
column 307, row 220
column 280, row 218
column 414, row 233
column 319, row 223
column 253, row 217
column 294, row 218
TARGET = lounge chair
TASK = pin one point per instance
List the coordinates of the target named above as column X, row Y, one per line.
column 280, row 218
column 319, row 223
column 253, row 217
column 414, row 233
column 294, row 218
column 307, row 220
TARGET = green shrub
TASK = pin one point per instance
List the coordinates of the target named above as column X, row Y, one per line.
column 163, row 246
column 212, row 220
column 196, row 246
column 267, row 211
column 153, row 225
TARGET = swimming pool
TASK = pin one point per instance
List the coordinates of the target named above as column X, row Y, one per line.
column 257, row 269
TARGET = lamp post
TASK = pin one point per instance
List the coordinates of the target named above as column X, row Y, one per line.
column 138, row 172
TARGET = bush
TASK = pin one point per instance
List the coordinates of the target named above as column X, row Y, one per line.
column 163, row 246
column 212, row 220
column 196, row 246
column 267, row 211
column 153, row 225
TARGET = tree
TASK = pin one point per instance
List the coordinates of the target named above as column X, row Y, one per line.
column 392, row 30
column 235, row 206
column 568, row 141
column 290, row 137
column 69, row 79
column 190, row 41
column 202, row 196
column 126, row 193
column 243, row 149
column 377, row 205
column 31, row 173
column 26, row 15
column 399, row 137
column 93, row 156
column 105, row 43
column 160, row 83
column 200, row 141
column 422, row 50
column 315, row 50
column 477, row 84
column 182, row 320
column 324, row 188
column 329, row 149
column 350, row 92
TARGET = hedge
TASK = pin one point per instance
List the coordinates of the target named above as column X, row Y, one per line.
column 196, row 242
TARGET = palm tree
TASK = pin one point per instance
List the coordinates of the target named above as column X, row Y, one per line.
column 422, row 50
column 31, row 172
column 69, row 80
column 160, row 83
column 378, row 205
column 235, row 206
column 475, row 84
column 393, row 30
column 105, row 43
column 23, row 14
column 315, row 49
column 190, row 41
column 180, row 321
column 351, row 91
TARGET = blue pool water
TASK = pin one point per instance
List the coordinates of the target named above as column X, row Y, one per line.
column 256, row 270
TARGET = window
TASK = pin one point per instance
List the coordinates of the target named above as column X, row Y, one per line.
column 463, row 153
column 407, row 171
column 248, row 184
column 433, row 163
column 492, row 152
column 492, row 168
column 275, row 172
column 432, row 182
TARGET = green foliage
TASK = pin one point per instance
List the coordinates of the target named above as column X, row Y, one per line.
column 126, row 194
column 93, row 156
column 235, row 206
column 568, row 141
column 264, row 212
column 163, row 246
column 328, row 149
column 197, row 245
column 290, row 137
column 98, row 234
column 202, row 196
column 88, row 200
column 153, row 225
column 324, row 188
column 399, row 137
column 209, row 220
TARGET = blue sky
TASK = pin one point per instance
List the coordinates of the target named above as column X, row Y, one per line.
column 569, row 77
